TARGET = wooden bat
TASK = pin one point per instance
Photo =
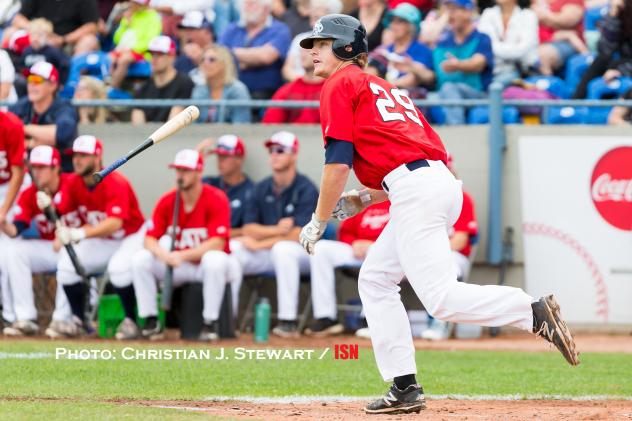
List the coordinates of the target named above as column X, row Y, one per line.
column 167, row 287
column 183, row 119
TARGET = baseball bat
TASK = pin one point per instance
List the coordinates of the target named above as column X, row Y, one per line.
column 167, row 288
column 51, row 215
column 182, row 119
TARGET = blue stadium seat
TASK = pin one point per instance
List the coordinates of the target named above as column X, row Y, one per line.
column 575, row 68
column 600, row 89
column 437, row 115
column 480, row 115
column 565, row 115
column 139, row 69
column 96, row 64
column 593, row 16
column 114, row 93
column 552, row 84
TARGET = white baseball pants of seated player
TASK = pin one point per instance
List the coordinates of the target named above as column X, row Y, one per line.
column 288, row 260
column 100, row 254
column 214, row 271
column 24, row 258
column 415, row 244
column 328, row 255
column 8, row 313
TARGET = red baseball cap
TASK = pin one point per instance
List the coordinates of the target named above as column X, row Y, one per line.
column 188, row 159
column 229, row 144
column 162, row 44
column 88, row 145
column 286, row 139
column 45, row 156
column 45, row 70
column 19, row 41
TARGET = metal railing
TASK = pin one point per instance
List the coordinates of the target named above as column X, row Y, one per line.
column 497, row 138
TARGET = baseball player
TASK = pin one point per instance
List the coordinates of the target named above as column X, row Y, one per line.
column 356, row 235
column 11, row 177
column 371, row 125
column 111, row 232
column 200, row 253
column 279, row 206
column 24, row 257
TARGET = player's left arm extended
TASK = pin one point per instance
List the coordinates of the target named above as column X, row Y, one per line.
column 42, row 134
column 332, row 184
column 195, row 254
column 104, row 228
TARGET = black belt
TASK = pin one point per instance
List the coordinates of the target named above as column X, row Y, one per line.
column 412, row 166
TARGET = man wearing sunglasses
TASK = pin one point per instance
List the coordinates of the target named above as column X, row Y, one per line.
column 48, row 120
column 279, row 205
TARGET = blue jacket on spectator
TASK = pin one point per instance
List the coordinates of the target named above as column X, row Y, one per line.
column 61, row 114
column 264, row 78
column 476, row 42
column 50, row 54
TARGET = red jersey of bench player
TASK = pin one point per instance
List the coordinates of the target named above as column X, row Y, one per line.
column 11, row 144
column 367, row 225
column 466, row 223
column 376, row 117
column 209, row 218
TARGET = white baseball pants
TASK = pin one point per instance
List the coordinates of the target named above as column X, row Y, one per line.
column 328, row 255
column 214, row 271
column 288, row 260
column 24, row 258
column 8, row 313
column 415, row 243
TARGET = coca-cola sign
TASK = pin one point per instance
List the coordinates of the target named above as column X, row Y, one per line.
column 611, row 187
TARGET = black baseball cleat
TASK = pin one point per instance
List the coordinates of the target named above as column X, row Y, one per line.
column 398, row 401
column 548, row 323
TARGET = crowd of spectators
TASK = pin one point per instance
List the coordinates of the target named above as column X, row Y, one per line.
column 248, row 49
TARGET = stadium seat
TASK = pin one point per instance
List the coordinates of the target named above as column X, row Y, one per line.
column 114, row 93
column 139, row 69
column 480, row 115
column 575, row 68
column 96, row 64
column 565, row 115
column 600, row 89
column 552, row 84
column 437, row 115
column 593, row 16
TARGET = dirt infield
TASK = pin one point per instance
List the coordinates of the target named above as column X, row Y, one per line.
column 445, row 409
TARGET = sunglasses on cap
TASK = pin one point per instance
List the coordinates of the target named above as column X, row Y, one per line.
column 278, row 149
column 35, row 79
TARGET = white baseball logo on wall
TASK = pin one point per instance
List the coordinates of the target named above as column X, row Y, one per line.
column 577, row 223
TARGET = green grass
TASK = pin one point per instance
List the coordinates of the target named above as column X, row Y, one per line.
column 441, row 372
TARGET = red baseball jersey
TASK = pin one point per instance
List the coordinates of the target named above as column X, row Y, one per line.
column 297, row 90
column 367, row 225
column 466, row 223
column 113, row 197
column 26, row 210
column 209, row 218
column 383, row 124
column 11, row 144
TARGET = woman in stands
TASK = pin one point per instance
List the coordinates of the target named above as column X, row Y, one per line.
column 616, row 40
column 216, row 78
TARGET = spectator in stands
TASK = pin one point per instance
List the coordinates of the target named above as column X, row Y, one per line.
column 561, row 32
column 48, row 120
column 434, row 26
column 463, row 60
column 621, row 115
column 8, row 9
column 259, row 44
column 514, row 35
column 424, row 6
column 165, row 83
column 371, row 14
column 91, row 88
column 173, row 10
column 7, row 78
column 614, row 50
column 293, row 66
column 216, row 78
column 407, row 63
column 305, row 88
column 356, row 235
column 231, row 179
column 196, row 35
column 40, row 31
column 72, row 19
column 297, row 17
column 281, row 204
column 226, row 12
column 138, row 27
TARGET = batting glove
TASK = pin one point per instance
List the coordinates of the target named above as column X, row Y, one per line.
column 43, row 200
column 70, row 235
column 312, row 233
column 351, row 203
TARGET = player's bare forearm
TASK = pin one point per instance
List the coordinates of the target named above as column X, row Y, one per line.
column 261, row 232
column 459, row 240
column 42, row 135
column 236, row 232
column 332, row 184
column 195, row 254
column 17, row 176
column 267, row 243
column 152, row 244
column 9, row 229
column 104, row 228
